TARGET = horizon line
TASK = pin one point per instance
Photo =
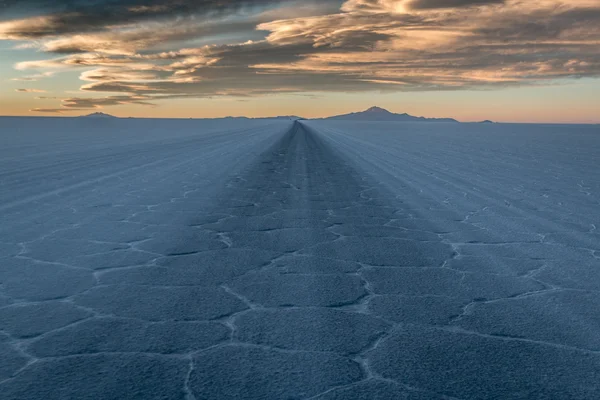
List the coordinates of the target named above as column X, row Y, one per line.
column 309, row 119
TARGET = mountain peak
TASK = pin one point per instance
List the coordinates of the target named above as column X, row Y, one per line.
column 381, row 114
column 98, row 115
column 376, row 109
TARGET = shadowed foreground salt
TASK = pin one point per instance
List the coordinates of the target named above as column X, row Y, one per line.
column 307, row 260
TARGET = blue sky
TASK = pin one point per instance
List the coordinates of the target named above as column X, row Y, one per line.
column 506, row 60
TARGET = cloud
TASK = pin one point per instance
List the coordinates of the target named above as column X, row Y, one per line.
column 87, row 60
column 466, row 48
column 86, row 103
column 56, row 110
column 33, row 78
column 432, row 4
column 75, row 17
column 115, row 74
column 167, row 50
column 30, row 90
column 140, row 37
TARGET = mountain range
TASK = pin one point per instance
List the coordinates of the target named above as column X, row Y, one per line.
column 371, row 114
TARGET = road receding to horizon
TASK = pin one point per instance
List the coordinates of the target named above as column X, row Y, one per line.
column 324, row 260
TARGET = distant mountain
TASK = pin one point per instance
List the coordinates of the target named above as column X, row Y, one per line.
column 98, row 115
column 284, row 117
column 487, row 121
column 380, row 114
column 279, row 117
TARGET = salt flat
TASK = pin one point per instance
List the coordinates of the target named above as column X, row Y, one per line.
column 177, row 259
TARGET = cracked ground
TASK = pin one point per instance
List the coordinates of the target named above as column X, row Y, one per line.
column 301, row 260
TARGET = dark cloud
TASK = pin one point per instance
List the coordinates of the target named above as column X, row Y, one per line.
column 144, row 37
column 30, row 90
column 83, row 103
column 545, row 24
column 10, row 9
column 58, row 110
column 79, row 16
column 431, row 4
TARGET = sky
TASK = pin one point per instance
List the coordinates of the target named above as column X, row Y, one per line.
column 504, row 60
